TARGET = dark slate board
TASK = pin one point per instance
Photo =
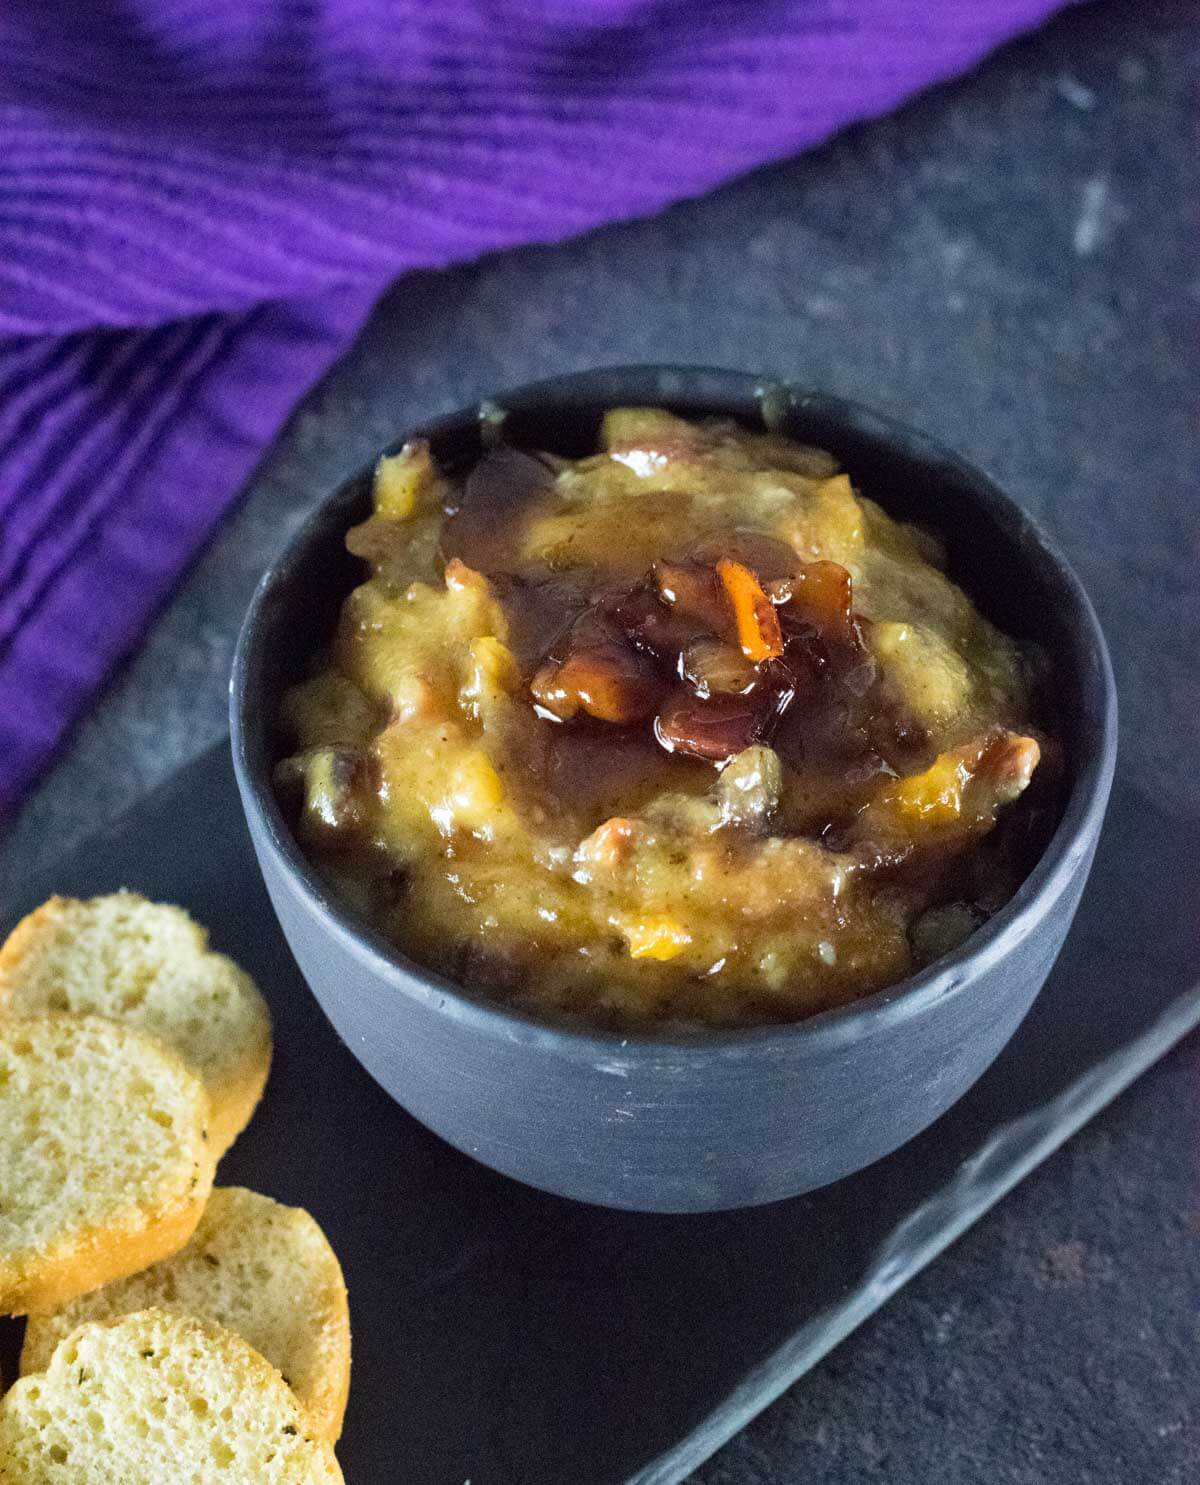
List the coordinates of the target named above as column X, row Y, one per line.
column 506, row 1337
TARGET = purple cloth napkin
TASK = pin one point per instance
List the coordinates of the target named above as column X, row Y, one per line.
column 201, row 199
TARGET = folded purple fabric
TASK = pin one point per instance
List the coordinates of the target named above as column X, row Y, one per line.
column 201, row 199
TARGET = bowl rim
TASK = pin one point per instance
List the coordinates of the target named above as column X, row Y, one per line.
column 829, row 1030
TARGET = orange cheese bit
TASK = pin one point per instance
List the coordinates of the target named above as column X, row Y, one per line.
column 936, row 795
column 758, row 629
column 656, row 937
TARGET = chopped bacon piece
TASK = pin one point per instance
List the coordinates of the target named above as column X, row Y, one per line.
column 696, row 592
column 653, row 627
column 600, row 675
column 713, row 668
column 608, row 844
column 820, row 594
column 715, row 729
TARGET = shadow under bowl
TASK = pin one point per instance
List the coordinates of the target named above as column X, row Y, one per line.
column 715, row 1119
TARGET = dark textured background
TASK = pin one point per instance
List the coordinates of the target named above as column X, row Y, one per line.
column 1011, row 262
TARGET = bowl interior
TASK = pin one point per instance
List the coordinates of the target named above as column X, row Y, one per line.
column 997, row 553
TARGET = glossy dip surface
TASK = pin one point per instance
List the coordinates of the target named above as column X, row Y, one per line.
column 686, row 731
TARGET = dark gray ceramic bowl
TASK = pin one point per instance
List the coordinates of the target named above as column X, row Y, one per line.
column 715, row 1120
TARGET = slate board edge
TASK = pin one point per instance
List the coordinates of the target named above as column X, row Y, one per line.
column 767, row 1383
